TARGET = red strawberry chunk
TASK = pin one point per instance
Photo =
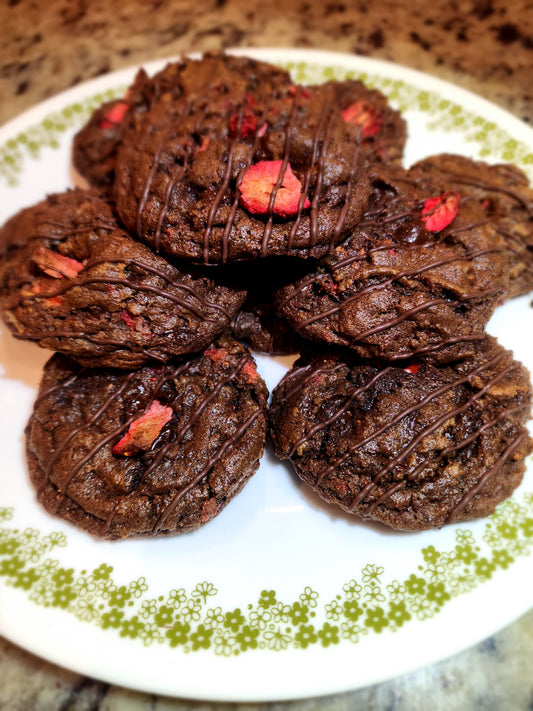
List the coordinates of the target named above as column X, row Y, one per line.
column 413, row 369
column 216, row 354
column 258, row 184
column 248, row 124
column 115, row 115
column 439, row 212
column 56, row 265
column 143, row 431
column 364, row 115
column 249, row 369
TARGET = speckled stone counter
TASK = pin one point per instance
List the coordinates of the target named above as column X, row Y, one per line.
column 483, row 45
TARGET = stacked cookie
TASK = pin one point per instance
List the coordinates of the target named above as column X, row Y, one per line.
column 226, row 199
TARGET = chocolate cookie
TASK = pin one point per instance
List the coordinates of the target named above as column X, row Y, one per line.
column 95, row 145
column 420, row 276
column 156, row 451
column 383, row 130
column 74, row 281
column 411, row 447
column 234, row 175
column 506, row 196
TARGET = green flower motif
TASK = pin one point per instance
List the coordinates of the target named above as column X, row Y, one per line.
column 280, row 612
column 333, row 611
column 6, row 513
column 352, row 632
column 176, row 598
column 63, row 597
column 102, row 572
column 178, row 634
column 465, row 554
column 462, row 583
column 204, row 590
column 214, row 618
column 11, row 566
column 84, row 586
column 484, row 568
column 502, row 559
column 276, row 640
column 464, row 537
column 398, row 613
column 34, row 552
column 267, row 599
column 26, row 579
column 396, row 590
column 423, row 608
column 376, row 619
column 164, row 617
column 309, row 597
column 148, row 609
column 233, row 620
column 112, row 619
column 191, row 611
column 9, row 546
column 104, row 588
column 118, row 597
column 305, row 636
column 225, row 644
column 201, row 639
column 328, row 634
column 260, row 618
column 435, row 572
column 85, row 610
column 372, row 573
column 138, row 587
column 415, row 585
column 352, row 589
column 247, row 638
column 150, row 633
column 430, row 554
column 28, row 536
column 507, row 531
column 351, row 610
column 373, row 593
column 437, row 593
column 55, row 540
column 131, row 628
column 63, row 577
column 299, row 614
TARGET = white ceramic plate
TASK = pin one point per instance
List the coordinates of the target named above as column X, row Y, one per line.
column 280, row 596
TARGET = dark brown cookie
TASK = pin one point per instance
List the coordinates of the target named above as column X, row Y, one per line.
column 420, row 276
column 383, row 130
column 95, row 145
column 235, row 175
column 506, row 197
column 74, row 281
column 156, row 451
column 412, row 447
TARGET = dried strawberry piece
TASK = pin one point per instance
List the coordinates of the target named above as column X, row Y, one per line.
column 301, row 91
column 56, row 265
column 143, row 431
column 216, row 354
column 439, row 212
column 136, row 323
column 364, row 115
column 249, row 369
column 413, row 369
column 248, row 124
column 209, row 509
column 258, row 184
column 115, row 115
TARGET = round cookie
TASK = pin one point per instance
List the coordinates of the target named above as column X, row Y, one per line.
column 419, row 276
column 95, row 146
column 413, row 447
column 157, row 451
column 74, row 281
column 383, row 130
column 506, row 197
column 231, row 175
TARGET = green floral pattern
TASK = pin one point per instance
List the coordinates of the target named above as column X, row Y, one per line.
column 444, row 114
column 192, row 621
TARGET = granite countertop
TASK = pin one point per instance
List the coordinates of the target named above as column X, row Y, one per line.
column 483, row 45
